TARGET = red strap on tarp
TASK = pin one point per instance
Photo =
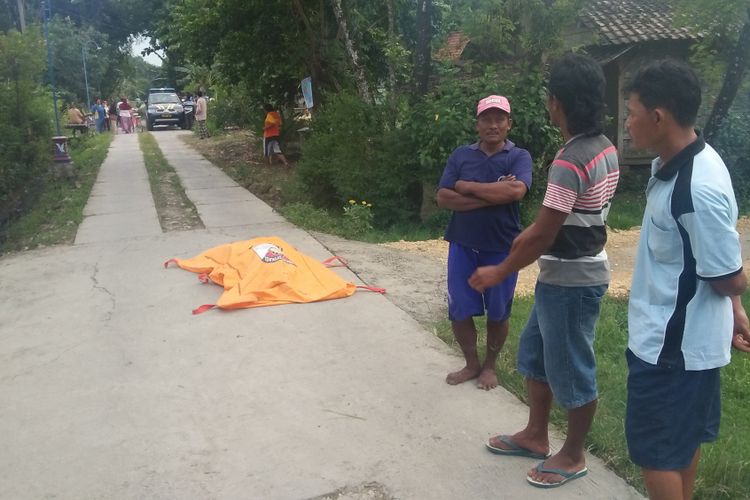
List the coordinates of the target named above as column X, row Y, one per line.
column 166, row 264
column 203, row 277
column 372, row 288
column 203, row 308
column 329, row 262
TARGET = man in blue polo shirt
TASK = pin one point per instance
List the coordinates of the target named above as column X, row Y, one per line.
column 482, row 184
column 685, row 309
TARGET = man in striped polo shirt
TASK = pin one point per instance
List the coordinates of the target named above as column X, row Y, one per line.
column 685, row 309
column 555, row 351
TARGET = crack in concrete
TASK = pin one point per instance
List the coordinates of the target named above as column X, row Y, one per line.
column 104, row 289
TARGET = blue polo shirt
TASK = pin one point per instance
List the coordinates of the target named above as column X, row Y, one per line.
column 489, row 228
column 688, row 238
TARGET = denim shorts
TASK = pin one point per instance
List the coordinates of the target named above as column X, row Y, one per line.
column 557, row 343
column 670, row 412
column 465, row 302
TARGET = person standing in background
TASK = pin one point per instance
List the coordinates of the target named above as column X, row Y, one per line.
column 271, row 135
column 201, row 113
column 100, row 115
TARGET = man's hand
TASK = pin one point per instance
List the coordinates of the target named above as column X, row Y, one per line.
column 741, row 333
column 484, row 278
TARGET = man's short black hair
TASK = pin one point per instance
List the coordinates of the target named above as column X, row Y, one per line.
column 577, row 82
column 199, row 93
column 268, row 107
column 668, row 84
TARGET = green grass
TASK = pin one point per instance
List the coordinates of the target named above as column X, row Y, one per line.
column 56, row 213
column 174, row 208
column 724, row 471
column 627, row 209
column 311, row 218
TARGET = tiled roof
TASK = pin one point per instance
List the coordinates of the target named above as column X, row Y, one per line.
column 620, row 22
column 453, row 48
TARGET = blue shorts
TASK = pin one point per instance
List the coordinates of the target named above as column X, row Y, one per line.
column 465, row 302
column 557, row 343
column 670, row 412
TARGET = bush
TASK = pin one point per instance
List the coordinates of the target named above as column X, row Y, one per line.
column 353, row 153
column 734, row 148
column 25, row 150
column 446, row 118
column 231, row 107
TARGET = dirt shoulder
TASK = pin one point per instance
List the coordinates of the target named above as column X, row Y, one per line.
column 414, row 272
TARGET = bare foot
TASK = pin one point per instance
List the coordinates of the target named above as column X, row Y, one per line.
column 462, row 375
column 487, row 379
column 558, row 462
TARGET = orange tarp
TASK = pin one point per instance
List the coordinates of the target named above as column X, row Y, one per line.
column 263, row 272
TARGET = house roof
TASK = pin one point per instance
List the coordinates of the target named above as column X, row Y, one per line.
column 453, row 48
column 619, row 22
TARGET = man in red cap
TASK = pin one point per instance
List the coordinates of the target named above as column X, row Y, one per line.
column 482, row 184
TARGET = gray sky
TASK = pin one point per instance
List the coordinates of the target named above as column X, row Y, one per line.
column 141, row 43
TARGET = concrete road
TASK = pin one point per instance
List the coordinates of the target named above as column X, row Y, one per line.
column 111, row 389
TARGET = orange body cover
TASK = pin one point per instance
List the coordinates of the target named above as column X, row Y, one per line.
column 265, row 272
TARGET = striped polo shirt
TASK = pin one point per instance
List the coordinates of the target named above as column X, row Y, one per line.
column 688, row 239
column 581, row 182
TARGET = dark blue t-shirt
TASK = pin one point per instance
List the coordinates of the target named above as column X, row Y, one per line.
column 488, row 228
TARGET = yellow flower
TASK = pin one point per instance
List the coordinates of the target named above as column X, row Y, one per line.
column 352, row 202
column 364, row 202
column 369, row 205
column 437, row 117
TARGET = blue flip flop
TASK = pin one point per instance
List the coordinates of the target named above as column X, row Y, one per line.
column 567, row 476
column 514, row 450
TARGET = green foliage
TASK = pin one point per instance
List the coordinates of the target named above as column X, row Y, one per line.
column 733, row 146
column 450, row 112
column 68, row 41
column 351, row 154
column 58, row 203
column 233, row 106
column 358, row 218
column 25, row 107
column 307, row 216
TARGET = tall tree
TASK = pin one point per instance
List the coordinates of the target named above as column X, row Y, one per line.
column 726, row 24
column 359, row 72
column 423, row 50
column 736, row 69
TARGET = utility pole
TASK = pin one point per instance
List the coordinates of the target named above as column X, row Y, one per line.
column 60, row 141
column 85, row 77
column 47, row 13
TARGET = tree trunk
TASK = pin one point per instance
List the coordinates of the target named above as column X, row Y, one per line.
column 423, row 52
column 732, row 81
column 391, row 39
column 359, row 73
column 314, row 64
column 21, row 16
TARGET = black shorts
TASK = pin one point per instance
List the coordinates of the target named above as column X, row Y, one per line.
column 670, row 412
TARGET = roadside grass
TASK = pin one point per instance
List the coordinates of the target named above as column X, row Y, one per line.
column 724, row 471
column 58, row 210
column 627, row 209
column 174, row 208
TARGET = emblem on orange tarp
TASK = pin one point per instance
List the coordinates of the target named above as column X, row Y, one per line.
column 270, row 253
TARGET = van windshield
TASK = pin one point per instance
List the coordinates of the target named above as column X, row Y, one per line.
column 163, row 99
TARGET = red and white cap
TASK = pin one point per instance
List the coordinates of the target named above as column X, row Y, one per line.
column 493, row 101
